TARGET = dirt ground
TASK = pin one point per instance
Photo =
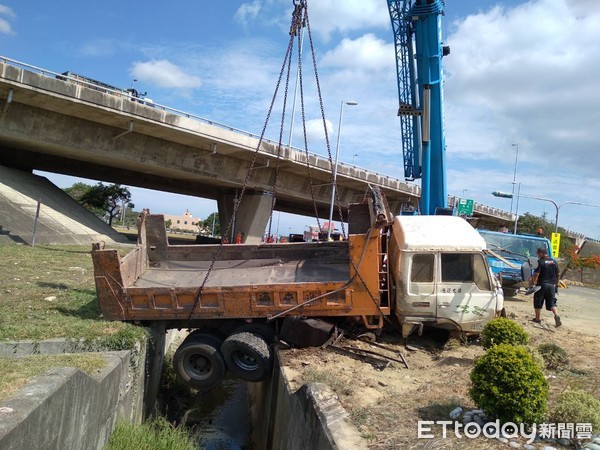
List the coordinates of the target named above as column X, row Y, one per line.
column 386, row 402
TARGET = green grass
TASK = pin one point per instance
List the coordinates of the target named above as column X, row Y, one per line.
column 156, row 435
column 16, row 372
column 48, row 292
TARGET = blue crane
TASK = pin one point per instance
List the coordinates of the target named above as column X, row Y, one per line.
column 419, row 52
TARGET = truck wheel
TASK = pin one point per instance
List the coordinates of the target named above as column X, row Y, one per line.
column 199, row 364
column 510, row 292
column 248, row 356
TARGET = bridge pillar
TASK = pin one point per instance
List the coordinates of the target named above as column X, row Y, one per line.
column 395, row 207
column 251, row 219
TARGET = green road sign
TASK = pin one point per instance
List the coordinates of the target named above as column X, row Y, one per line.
column 465, row 207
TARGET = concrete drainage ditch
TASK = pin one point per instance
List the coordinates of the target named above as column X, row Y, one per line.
column 66, row 408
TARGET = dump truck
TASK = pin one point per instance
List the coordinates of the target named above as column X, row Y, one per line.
column 238, row 299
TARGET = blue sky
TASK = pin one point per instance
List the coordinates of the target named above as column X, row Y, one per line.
column 519, row 72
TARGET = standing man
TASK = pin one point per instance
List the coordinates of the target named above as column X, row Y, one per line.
column 545, row 276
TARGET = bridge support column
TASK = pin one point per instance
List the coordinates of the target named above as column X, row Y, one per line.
column 251, row 219
column 395, row 207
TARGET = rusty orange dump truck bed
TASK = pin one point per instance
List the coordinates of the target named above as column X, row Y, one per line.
column 158, row 281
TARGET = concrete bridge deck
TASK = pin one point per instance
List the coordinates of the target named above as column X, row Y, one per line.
column 52, row 123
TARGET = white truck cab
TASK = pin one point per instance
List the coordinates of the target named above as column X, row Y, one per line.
column 441, row 276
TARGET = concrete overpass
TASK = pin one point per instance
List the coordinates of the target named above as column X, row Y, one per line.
column 58, row 124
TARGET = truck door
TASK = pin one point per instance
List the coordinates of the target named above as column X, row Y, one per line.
column 420, row 298
column 464, row 291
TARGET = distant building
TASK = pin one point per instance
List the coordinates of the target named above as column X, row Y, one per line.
column 185, row 222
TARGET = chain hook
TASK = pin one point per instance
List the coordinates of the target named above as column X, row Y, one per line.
column 297, row 22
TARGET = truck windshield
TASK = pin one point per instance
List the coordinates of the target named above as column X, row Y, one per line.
column 514, row 246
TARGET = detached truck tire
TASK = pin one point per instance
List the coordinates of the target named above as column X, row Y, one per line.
column 248, row 356
column 199, row 364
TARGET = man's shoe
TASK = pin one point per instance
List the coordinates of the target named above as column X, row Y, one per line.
column 557, row 321
column 536, row 320
column 532, row 290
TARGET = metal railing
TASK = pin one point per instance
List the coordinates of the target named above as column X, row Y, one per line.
column 124, row 93
column 127, row 94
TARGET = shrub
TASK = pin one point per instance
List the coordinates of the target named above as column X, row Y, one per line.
column 503, row 331
column 537, row 356
column 507, row 384
column 576, row 407
column 555, row 357
column 156, row 435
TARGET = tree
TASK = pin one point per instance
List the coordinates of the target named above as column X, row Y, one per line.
column 210, row 221
column 78, row 191
column 529, row 224
column 102, row 200
column 576, row 261
column 168, row 223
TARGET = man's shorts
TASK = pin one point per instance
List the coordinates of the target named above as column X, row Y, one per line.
column 547, row 293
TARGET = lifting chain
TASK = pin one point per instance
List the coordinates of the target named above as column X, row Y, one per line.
column 299, row 21
column 296, row 21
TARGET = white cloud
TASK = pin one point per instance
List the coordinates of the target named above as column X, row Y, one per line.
column 247, row 12
column 315, row 131
column 5, row 26
column 327, row 16
column 7, row 11
column 514, row 79
column 367, row 52
column 165, row 74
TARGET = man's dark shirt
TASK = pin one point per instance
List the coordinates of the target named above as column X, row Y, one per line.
column 547, row 270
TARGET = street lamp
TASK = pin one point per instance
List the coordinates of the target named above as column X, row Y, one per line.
column 557, row 206
column 517, row 209
column 337, row 152
column 514, row 181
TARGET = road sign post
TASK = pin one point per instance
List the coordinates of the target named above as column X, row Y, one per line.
column 464, row 207
column 555, row 242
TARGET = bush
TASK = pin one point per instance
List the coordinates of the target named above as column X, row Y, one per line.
column 507, row 384
column 576, row 407
column 555, row 357
column 503, row 331
column 537, row 356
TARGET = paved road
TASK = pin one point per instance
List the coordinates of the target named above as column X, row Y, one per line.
column 579, row 308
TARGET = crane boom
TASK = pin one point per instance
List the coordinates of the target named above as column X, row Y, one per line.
column 419, row 51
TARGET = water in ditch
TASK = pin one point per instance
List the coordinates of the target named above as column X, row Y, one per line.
column 220, row 417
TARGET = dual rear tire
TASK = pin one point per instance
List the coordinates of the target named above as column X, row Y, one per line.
column 203, row 358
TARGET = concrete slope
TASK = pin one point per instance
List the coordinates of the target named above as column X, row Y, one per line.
column 62, row 220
